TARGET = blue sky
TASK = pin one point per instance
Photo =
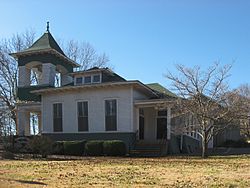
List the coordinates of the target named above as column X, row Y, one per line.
column 144, row 39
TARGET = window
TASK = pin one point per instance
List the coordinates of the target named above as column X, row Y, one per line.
column 96, row 78
column 110, row 115
column 162, row 113
column 87, row 79
column 162, row 125
column 79, row 80
column 57, row 117
column 82, row 112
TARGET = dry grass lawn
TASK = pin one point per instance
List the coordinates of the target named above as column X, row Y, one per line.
column 232, row 171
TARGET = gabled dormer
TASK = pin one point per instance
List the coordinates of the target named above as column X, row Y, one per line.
column 45, row 59
column 96, row 75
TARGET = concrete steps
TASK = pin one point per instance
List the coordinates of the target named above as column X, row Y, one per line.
column 146, row 150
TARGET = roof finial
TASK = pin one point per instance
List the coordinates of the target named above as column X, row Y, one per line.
column 47, row 26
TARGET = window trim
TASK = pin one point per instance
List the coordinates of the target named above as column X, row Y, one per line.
column 53, row 127
column 77, row 101
column 81, row 80
column 117, row 112
column 90, row 76
column 156, row 120
column 92, row 80
column 85, row 79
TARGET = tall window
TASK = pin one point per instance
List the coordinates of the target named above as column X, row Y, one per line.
column 57, row 117
column 110, row 115
column 82, row 111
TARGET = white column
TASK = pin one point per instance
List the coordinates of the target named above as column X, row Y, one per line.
column 23, row 122
column 136, row 128
column 39, row 123
column 23, row 76
column 48, row 74
column 169, row 123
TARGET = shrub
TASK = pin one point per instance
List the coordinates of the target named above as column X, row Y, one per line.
column 238, row 143
column 57, row 148
column 114, row 148
column 94, row 148
column 74, row 147
column 41, row 145
column 8, row 147
column 21, row 145
column 8, row 155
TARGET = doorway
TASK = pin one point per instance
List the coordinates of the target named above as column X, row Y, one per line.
column 161, row 132
column 141, row 124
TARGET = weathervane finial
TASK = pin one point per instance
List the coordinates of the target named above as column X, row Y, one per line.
column 47, row 26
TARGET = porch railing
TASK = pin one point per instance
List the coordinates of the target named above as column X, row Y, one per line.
column 163, row 144
column 135, row 139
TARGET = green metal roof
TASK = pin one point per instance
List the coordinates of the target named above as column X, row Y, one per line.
column 160, row 89
column 46, row 41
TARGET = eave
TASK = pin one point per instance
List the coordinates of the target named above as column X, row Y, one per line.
column 155, row 102
column 136, row 84
column 49, row 50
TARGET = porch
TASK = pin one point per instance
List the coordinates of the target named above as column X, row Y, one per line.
column 152, row 126
column 28, row 115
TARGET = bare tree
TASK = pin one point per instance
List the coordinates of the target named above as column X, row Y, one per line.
column 85, row 54
column 82, row 53
column 244, row 97
column 205, row 95
column 9, row 68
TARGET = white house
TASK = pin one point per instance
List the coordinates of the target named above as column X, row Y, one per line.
column 91, row 104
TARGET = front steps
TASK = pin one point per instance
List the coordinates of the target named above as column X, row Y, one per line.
column 147, row 150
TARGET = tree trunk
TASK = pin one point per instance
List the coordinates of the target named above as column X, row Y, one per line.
column 204, row 146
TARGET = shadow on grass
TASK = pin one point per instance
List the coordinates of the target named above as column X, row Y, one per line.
column 30, row 182
column 26, row 182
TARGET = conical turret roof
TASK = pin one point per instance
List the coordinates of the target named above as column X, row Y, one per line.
column 45, row 42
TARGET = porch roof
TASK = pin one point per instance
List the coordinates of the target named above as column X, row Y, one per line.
column 158, row 103
column 28, row 106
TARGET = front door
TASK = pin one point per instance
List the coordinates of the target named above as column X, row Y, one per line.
column 161, row 125
column 141, row 124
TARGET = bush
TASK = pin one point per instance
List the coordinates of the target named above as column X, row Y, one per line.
column 238, row 144
column 21, row 145
column 74, row 147
column 41, row 145
column 94, row 148
column 114, row 148
column 8, row 155
column 57, row 148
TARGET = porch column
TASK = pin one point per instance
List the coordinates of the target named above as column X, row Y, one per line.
column 169, row 123
column 23, row 76
column 137, row 119
column 23, row 121
column 39, row 123
column 48, row 74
